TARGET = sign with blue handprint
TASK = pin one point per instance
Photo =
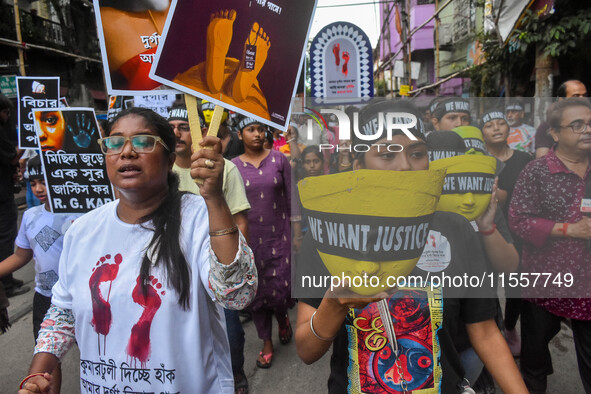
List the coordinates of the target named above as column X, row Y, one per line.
column 75, row 173
column 83, row 129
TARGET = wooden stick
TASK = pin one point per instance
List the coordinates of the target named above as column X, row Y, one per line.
column 216, row 121
column 195, row 124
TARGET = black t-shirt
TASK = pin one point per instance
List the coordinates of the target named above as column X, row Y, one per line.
column 427, row 323
column 507, row 179
column 543, row 138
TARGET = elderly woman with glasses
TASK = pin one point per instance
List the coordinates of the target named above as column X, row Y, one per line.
column 547, row 211
column 143, row 279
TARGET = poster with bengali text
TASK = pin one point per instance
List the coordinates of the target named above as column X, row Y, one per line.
column 242, row 55
column 129, row 34
column 159, row 103
column 74, row 166
column 341, row 64
column 34, row 92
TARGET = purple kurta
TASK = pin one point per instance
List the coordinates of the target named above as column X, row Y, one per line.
column 268, row 189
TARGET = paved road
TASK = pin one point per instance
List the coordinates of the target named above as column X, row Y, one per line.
column 288, row 373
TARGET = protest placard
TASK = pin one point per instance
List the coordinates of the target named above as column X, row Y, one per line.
column 341, row 63
column 75, row 172
column 129, row 34
column 158, row 103
column 244, row 56
column 34, row 92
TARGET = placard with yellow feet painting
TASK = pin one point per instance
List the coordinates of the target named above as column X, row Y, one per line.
column 244, row 56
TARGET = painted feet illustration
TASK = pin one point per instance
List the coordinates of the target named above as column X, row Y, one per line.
column 336, row 50
column 104, row 271
column 138, row 347
column 219, row 36
column 253, row 58
column 345, row 64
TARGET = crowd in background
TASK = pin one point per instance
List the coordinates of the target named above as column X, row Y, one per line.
column 538, row 226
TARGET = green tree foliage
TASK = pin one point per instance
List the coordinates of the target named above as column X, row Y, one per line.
column 564, row 33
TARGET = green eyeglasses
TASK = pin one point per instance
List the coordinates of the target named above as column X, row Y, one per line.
column 139, row 143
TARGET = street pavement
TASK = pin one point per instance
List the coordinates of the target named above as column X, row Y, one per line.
column 288, row 373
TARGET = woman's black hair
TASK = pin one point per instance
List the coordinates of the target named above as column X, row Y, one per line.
column 312, row 149
column 164, row 248
column 269, row 137
column 309, row 149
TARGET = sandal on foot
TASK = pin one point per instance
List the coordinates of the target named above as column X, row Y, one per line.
column 240, row 384
column 286, row 332
column 268, row 360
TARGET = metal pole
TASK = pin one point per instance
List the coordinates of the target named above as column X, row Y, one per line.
column 405, row 44
column 437, row 23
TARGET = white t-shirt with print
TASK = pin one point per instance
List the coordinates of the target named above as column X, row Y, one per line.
column 135, row 343
column 42, row 232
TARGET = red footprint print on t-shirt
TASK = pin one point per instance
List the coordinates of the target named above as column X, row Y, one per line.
column 336, row 49
column 345, row 66
column 101, row 309
column 138, row 346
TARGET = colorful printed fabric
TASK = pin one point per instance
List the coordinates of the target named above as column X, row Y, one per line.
column 522, row 138
column 57, row 334
column 373, row 366
column 234, row 285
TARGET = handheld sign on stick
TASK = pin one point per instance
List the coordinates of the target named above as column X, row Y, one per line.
column 195, row 125
column 216, row 120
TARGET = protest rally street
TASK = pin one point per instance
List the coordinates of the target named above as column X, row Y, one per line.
column 314, row 196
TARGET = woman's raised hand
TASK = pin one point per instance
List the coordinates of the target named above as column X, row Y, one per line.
column 207, row 165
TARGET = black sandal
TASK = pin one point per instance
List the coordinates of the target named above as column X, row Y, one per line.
column 240, row 384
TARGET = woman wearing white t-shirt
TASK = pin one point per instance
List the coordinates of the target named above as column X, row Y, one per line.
column 142, row 283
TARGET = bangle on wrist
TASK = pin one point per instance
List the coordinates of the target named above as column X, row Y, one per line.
column 564, row 229
column 20, row 387
column 219, row 233
column 314, row 332
column 489, row 232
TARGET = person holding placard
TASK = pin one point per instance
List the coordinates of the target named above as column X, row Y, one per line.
column 426, row 358
column 235, row 197
column 143, row 278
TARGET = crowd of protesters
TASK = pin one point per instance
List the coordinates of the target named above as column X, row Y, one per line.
column 531, row 222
